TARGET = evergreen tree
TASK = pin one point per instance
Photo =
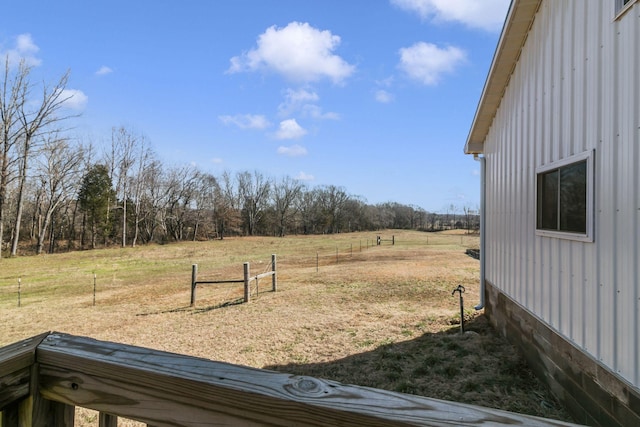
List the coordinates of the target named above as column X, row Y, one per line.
column 95, row 197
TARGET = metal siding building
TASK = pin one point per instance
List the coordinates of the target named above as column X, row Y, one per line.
column 572, row 87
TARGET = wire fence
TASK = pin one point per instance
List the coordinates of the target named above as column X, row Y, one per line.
column 96, row 288
column 358, row 250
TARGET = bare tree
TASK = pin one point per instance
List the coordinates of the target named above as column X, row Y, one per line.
column 285, row 194
column 180, row 187
column 310, row 211
column 419, row 218
column 254, row 193
column 12, row 95
column 332, row 202
column 59, row 172
column 205, row 197
column 150, row 202
column 469, row 216
column 125, row 147
column 356, row 214
column 144, row 161
column 227, row 207
column 35, row 120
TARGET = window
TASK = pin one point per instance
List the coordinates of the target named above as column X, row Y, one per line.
column 564, row 198
column 622, row 5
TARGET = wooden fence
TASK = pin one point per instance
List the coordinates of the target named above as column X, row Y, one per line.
column 246, row 280
column 380, row 240
column 43, row 379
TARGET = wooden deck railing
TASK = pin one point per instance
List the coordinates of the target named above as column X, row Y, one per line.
column 44, row 378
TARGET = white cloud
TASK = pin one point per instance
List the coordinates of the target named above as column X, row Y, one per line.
column 305, row 177
column 426, row 62
column 383, row 96
column 301, row 96
column 298, row 52
column 388, row 82
column 246, row 121
column 316, row 112
column 25, row 44
column 25, row 49
column 295, row 99
column 304, row 101
column 74, row 99
column 290, row 129
column 486, row 14
column 216, row 161
column 103, row 71
column 292, row 151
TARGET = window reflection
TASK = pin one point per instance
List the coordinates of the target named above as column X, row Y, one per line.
column 562, row 199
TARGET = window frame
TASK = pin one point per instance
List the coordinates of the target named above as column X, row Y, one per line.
column 588, row 235
column 622, row 8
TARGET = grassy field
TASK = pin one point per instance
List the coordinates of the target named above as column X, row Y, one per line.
column 347, row 310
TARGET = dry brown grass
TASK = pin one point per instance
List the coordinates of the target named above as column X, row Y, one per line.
column 381, row 316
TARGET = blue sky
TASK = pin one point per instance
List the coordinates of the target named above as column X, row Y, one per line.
column 376, row 96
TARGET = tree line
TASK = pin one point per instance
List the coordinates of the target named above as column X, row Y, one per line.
column 58, row 193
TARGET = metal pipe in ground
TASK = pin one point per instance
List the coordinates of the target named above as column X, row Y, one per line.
column 461, row 290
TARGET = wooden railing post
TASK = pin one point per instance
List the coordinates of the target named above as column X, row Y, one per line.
column 9, row 415
column 107, row 420
column 274, row 279
column 194, row 281
column 36, row 411
column 246, row 282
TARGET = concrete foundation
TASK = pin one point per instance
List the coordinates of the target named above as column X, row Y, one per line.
column 591, row 393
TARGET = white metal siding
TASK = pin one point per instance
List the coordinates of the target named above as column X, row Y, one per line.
column 576, row 88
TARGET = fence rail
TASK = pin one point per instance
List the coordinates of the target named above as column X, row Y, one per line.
column 45, row 377
column 246, row 280
column 380, row 240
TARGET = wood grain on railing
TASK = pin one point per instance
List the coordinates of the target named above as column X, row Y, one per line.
column 16, row 361
column 165, row 389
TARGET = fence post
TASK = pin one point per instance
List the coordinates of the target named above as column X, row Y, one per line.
column 393, row 240
column 19, row 290
column 107, row 420
column 246, row 282
column 194, row 281
column 274, row 278
column 94, row 289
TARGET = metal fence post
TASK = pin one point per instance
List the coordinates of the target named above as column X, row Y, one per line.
column 274, row 277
